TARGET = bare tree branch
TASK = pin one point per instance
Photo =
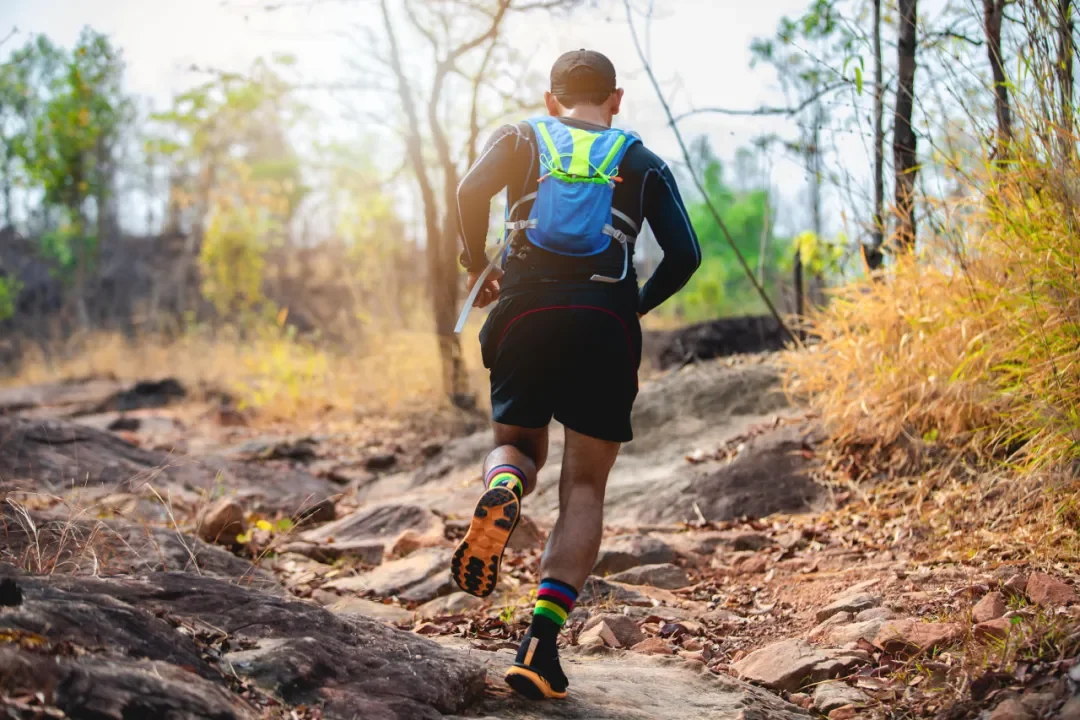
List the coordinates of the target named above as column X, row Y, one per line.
column 762, row 111
column 694, row 176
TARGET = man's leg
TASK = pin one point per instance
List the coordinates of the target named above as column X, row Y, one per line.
column 568, row 559
column 509, row 474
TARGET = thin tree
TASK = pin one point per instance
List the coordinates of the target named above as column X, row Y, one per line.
column 1066, row 53
column 874, row 256
column 993, row 11
column 905, row 157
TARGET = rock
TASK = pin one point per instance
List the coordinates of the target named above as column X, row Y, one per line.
column 848, row 603
column 1011, row 709
column 909, row 636
column 846, row 712
column 990, row 607
column 597, row 590
column 720, row 615
column 750, row 541
column 420, row 577
column 790, row 665
column 666, row 576
column 222, row 522
column 843, row 635
column 10, row 594
column 625, row 630
column 653, row 646
column 1070, row 710
column 753, row 565
column 1038, row 702
column 381, row 461
column 297, row 651
column 1016, row 584
column 410, row 541
column 1043, row 589
column 368, row 552
column 367, row 608
column 527, row 535
column 382, row 523
column 771, row 474
column 452, row 604
column 599, row 633
column 147, row 394
column 823, row 628
column 321, row 512
column 996, row 629
column 626, row 551
column 116, row 688
column 801, row 700
column 831, row 695
column 877, row 613
column 302, row 450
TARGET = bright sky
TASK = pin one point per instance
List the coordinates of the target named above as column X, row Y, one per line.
column 700, row 49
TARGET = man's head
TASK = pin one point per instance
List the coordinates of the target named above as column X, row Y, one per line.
column 583, row 79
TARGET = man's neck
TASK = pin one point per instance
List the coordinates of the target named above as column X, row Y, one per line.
column 589, row 114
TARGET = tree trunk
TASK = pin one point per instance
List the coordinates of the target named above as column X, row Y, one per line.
column 905, row 156
column 992, row 14
column 817, row 281
column 9, row 216
column 442, row 272
column 874, row 257
column 1066, row 52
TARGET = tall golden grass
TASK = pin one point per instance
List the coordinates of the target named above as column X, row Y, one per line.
column 975, row 345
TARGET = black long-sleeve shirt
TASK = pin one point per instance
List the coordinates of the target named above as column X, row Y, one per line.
column 647, row 192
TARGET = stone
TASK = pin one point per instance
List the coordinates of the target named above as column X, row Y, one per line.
column 368, row 608
column 1046, row 590
column 790, row 665
column 878, row 613
column 910, row 636
column 1016, row 584
column 996, row 629
column 1011, row 709
column 380, row 461
column 297, row 651
column 753, row 565
column 665, row 576
column 834, row 621
column 1070, row 710
column 846, row 712
column 843, row 635
column 452, row 604
column 411, row 540
column 383, row 523
column 623, row 552
column 750, row 541
column 527, row 536
column 599, row 633
column 422, row 576
column 990, row 607
column 848, row 603
column 222, row 522
column 323, row 511
column 625, row 630
column 598, row 590
column 831, row 695
column 653, row 646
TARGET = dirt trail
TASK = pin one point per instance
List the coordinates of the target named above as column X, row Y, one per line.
column 308, row 572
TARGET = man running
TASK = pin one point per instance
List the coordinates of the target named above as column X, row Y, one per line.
column 564, row 340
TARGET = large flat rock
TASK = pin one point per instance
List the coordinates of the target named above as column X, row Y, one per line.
column 350, row 666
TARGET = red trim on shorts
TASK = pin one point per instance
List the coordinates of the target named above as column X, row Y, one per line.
column 626, row 330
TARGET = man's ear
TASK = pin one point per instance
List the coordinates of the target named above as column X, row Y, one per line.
column 554, row 107
column 616, row 101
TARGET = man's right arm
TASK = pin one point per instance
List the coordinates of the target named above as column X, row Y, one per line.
column 670, row 223
column 489, row 174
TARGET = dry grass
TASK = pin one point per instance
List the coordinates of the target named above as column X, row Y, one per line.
column 968, row 358
column 271, row 371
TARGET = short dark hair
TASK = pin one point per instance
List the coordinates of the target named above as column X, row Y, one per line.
column 582, row 77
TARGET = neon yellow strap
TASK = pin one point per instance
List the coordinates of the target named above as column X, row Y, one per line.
column 555, row 159
column 580, row 165
column 611, row 154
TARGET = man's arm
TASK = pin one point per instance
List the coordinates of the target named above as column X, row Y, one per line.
column 490, row 174
column 670, row 224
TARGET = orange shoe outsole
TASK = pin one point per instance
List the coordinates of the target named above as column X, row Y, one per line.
column 530, row 684
column 478, row 558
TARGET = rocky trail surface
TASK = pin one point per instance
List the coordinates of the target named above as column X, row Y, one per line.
column 163, row 556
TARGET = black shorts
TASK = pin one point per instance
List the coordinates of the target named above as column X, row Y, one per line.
column 576, row 362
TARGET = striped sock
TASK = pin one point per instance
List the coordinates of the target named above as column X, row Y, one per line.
column 509, row 477
column 554, row 601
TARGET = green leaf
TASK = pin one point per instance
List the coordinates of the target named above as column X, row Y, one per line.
column 858, row 80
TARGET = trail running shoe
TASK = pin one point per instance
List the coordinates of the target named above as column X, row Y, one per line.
column 476, row 561
column 537, row 676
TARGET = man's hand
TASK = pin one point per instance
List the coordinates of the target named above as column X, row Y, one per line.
column 489, row 293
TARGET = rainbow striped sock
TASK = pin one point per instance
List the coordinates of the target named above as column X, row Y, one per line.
column 509, row 477
column 554, row 601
